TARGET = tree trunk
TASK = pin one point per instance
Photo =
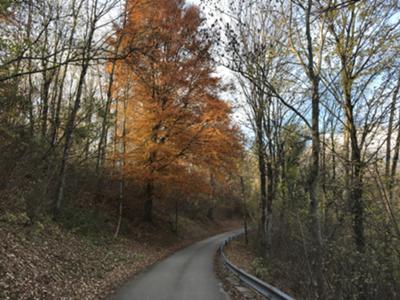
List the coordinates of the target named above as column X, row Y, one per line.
column 390, row 129
column 45, row 99
column 71, row 123
column 269, row 172
column 270, row 199
column 244, row 210
column 148, row 204
column 89, row 113
column 30, row 100
column 210, row 212
column 358, row 208
column 101, row 151
column 313, row 182
column 47, row 79
column 120, row 207
column 122, row 169
column 104, row 128
column 263, row 180
column 356, row 184
column 57, row 121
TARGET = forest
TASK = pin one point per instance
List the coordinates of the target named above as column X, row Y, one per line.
column 124, row 117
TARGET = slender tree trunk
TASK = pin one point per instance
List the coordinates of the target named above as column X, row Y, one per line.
column 122, row 170
column 313, row 191
column 104, row 128
column 356, row 194
column 210, row 213
column 263, row 180
column 314, row 173
column 286, row 199
column 46, row 78
column 101, row 151
column 57, row 120
column 53, row 104
column 270, row 162
column 68, row 142
column 45, row 99
column 356, row 183
column 71, row 121
column 244, row 210
column 88, row 122
column 347, row 164
column 53, row 77
column 390, row 129
column 323, row 181
column 333, row 155
column 30, row 92
column 315, row 152
column 148, row 204
column 120, row 208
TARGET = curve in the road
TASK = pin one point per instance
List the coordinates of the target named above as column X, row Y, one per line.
column 186, row 275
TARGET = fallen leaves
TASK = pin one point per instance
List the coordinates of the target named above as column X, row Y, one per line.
column 56, row 264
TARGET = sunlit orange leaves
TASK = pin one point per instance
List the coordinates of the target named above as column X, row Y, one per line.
column 177, row 128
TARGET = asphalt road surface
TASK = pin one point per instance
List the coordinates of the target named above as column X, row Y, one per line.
column 186, row 275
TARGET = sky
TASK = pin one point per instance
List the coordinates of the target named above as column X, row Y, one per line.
column 228, row 76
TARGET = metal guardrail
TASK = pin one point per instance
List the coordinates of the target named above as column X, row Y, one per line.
column 263, row 288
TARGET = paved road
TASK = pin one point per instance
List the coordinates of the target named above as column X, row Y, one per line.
column 186, row 275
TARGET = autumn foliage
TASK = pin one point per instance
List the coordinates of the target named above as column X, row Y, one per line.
column 176, row 127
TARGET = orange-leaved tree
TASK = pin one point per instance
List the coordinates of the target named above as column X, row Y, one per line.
column 176, row 123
